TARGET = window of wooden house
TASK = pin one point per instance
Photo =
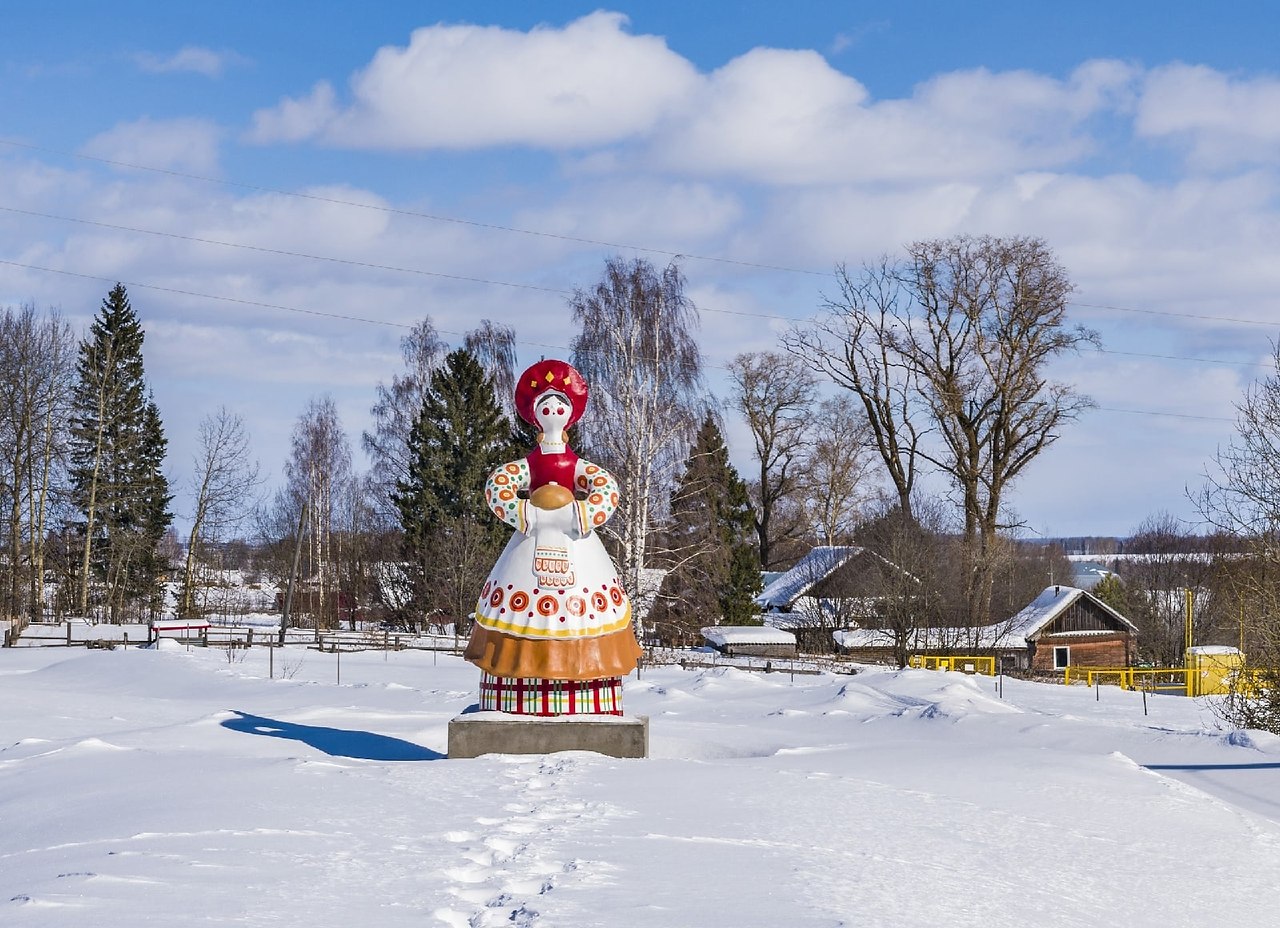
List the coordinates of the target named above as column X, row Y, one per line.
column 1061, row 658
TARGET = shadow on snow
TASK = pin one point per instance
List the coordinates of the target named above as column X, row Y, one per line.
column 336, row 742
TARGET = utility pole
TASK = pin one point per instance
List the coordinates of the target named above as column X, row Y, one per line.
column 293, row 572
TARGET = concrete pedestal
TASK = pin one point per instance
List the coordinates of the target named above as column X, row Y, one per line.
column 479, row 733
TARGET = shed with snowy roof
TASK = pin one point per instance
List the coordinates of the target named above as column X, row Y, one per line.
column 751, row 640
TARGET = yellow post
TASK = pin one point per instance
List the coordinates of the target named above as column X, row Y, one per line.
column 1188, row 635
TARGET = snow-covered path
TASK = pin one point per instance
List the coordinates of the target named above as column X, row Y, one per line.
column 178, row 787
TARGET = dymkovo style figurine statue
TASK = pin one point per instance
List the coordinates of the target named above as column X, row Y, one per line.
column 553, row 626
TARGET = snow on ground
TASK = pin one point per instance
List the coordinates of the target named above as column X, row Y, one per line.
column 177, row 786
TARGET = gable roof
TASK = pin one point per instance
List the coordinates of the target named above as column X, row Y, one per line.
column 1033, row 618
column 1050, row 604
column 817, row 565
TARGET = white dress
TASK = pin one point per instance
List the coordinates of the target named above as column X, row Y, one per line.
column 553, row 606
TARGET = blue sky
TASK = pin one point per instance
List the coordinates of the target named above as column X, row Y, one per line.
column 1142, row 140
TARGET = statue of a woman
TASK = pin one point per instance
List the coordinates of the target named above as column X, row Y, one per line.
column 553, row 631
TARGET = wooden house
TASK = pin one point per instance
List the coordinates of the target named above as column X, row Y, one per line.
column 832, row 587
column 1062, row 627
column 1068, row 627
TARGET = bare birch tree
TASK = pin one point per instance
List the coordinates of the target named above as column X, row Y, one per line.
column 224, row 479
column 36, row 375
column 636, row 348
column 494, row 346
column 397, row 406
column 396, row 409
column 316, row 474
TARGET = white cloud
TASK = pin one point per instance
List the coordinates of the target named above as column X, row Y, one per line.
column 770, row 115
column 296, row 119
column 589, row 83
column 1223, row 122
column 190, row 58
column 642, row 210
column 788, row 117
column 189, row 145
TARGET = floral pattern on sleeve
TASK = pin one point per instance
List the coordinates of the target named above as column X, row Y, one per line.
column 601, row 488
column 500, row 493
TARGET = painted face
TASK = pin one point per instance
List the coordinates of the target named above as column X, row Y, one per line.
column 553, row 411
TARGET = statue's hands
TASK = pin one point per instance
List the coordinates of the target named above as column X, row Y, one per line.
column 563, row 520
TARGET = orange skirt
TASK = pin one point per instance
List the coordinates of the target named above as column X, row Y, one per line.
column 612, row 655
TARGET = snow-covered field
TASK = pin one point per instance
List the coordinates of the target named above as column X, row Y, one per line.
column 177, row 787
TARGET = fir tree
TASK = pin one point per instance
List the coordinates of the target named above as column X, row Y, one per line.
column 451, row 539
column 117, row 452
column 715, row 574
column 1112, row 591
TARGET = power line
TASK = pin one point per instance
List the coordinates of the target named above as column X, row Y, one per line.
column 350, row 262
column 369, row 265
column 206, row 296
column 1168, row 415
column 293, row 309
column 400, row 325
column 1166, row 312
column 1177, row 357
column 416, row 214
column 435, row 217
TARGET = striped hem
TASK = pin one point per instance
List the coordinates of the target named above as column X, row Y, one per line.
column 531, row 696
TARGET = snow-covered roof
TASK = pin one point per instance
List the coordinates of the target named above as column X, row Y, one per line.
column 868, row 638
column 179, row 625
column 925, row 639
column 1049, row 605
column 1088, row 574
column 726, row 635
column 817, row 565
column 1011, row 634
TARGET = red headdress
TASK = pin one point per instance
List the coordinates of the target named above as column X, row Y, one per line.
column 550, row 375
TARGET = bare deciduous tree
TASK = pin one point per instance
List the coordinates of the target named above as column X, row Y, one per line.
column 1242, row 486
column 636, row 348
column 907, row 583
column 954, row 341
column 224, row 479
column 397, row 406
column 775, row 394
column 316, row 475
column 36, row 375
column 856, row 344
column 1170, row 564
column 494, row 346
column 837, row 477
column 1242, row 495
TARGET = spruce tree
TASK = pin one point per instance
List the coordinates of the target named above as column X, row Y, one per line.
column 451, row 539
column 117, row 454
column 715, row 574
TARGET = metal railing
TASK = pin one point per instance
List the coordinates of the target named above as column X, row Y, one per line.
column 961, row 663
column 1129, row 678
